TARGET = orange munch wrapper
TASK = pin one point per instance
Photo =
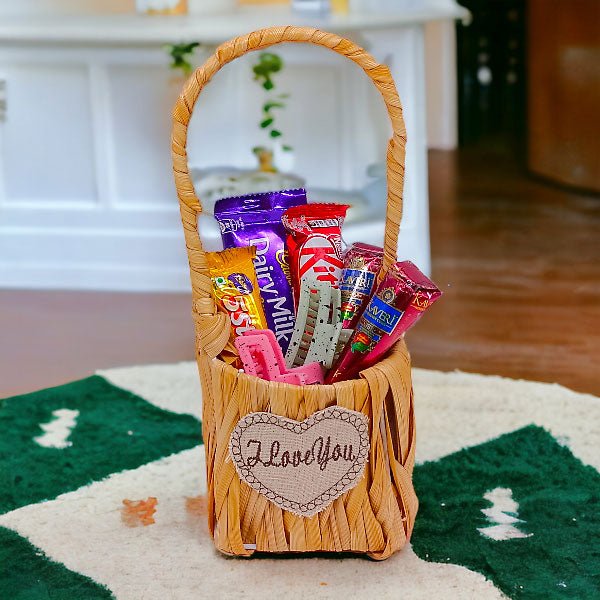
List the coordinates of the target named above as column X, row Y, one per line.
column 235, row 288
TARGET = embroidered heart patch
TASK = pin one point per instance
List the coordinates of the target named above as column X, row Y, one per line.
column 301, row 466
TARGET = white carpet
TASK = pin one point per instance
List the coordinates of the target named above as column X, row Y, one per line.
column 174, row 558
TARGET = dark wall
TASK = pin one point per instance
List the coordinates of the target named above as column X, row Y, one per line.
column 491, row 70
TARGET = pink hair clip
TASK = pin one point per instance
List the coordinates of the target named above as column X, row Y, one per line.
column 262, row 357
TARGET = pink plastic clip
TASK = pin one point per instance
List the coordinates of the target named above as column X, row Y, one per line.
column 261, row 356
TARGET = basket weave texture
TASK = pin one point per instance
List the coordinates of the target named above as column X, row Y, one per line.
column 376, row 517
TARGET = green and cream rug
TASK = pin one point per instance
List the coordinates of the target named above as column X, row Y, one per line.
column 508, row 480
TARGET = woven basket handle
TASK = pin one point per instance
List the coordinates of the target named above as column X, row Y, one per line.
column 259, row 40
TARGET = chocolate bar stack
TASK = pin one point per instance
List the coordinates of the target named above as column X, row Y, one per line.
column 288, row 286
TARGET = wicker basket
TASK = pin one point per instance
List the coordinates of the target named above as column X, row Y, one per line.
column 376, row 517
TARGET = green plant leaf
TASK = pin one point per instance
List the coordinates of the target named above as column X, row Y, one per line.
column 180, row 55
column 272, row 104
column 260, row 71
column 264, row 124
column 273, row 62
column 268, row 84
column 274, row 133
column 286, row 148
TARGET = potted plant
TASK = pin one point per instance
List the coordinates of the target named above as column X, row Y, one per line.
column 274, row 156
column 267, row 65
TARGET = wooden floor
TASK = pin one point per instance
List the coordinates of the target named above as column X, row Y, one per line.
column 518, row 261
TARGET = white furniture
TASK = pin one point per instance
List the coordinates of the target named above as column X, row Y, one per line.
column 86, row 192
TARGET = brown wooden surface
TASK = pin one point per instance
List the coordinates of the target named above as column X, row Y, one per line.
column 564, row 91
column 519, row 262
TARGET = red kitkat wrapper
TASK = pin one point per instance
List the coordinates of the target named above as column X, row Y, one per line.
column 398, row 303
column 314, row 243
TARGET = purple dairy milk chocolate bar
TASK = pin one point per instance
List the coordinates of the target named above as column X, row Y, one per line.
column 255, row 220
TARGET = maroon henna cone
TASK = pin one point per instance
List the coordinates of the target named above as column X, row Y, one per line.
column 398, row 303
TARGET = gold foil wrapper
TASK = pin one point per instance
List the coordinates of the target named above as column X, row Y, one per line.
column 235, row 288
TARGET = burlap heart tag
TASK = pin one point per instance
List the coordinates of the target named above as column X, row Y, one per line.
column 301, row 466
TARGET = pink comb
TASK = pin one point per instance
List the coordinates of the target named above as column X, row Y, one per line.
column 261, row 356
